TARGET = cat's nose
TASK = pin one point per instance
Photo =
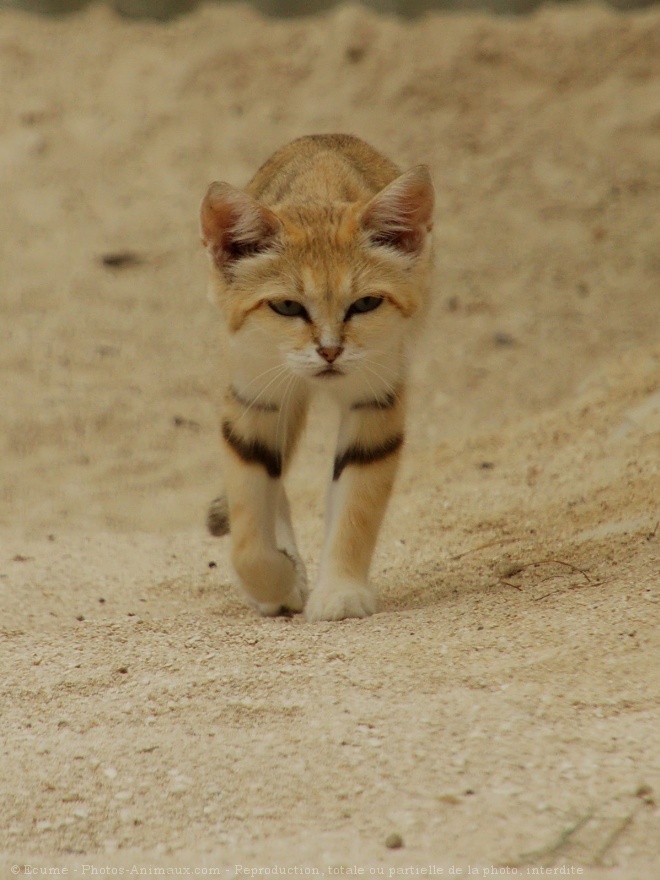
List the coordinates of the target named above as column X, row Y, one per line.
column 330, row 353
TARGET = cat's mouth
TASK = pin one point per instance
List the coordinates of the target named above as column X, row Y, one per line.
column 329, row 371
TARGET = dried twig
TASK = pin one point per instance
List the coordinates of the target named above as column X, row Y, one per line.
column 509, row 584
column 484, row 547
column 518, row 567
column 645, row 795
column 573, row 587
column 618, row 831
column 559, row 562
column 554, row 848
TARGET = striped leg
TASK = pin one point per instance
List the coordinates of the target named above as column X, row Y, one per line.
column 258, row 443
column 368, row 452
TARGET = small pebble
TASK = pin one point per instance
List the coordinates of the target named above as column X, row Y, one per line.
column 120, row 259
column 449, row 799
column 355, row 54
column 394, row 840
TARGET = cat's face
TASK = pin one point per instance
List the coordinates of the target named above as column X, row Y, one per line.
column 318, row 292
column 326, row 305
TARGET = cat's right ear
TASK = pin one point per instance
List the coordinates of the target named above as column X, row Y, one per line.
column 234, row 225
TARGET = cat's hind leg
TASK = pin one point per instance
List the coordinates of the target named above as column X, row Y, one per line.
column 217, row 517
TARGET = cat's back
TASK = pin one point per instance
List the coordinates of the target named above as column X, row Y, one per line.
column 323, row 168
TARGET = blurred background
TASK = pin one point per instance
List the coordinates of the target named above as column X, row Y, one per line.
column 164, row 9
column 542, row 133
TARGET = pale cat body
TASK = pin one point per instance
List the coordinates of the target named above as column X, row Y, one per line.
column 321, row 270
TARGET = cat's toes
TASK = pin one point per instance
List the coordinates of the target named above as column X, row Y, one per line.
column 292, row 604
column 340, row 602
column 273, row 583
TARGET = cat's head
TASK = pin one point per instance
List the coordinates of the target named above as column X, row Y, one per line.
column 329, row 290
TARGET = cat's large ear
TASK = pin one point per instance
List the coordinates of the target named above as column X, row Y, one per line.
column 234, row 225
column 401, row 215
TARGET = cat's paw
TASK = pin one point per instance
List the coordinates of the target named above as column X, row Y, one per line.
column 292, row 604
column 340, row 601
column 273, row 582
column 294, row 601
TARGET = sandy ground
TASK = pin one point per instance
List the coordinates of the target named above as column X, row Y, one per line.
column 501, row 712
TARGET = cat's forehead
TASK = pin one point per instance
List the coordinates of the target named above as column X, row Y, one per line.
column 320, row 234
column 326, row 283
column 325, row 255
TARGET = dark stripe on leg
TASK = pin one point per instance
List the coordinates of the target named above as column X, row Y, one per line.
column 386, row 402
column 253, row 451
column 253, row 404
column 360, row 455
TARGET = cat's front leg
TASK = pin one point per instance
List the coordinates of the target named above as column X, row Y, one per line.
column 286, row 543
column 258, row 443
column 368, row 452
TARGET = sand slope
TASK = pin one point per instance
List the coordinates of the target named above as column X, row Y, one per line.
column 502, row 709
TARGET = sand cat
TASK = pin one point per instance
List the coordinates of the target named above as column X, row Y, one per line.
column 321, row 270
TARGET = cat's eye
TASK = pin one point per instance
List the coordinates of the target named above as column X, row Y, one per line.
column 289, row 308
column 364, row 304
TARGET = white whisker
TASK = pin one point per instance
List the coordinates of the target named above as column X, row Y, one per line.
column 283, row 415
column 390, row 386
column 261, row 375
column 281, row 370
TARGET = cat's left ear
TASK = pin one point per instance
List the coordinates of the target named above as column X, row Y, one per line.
column 234, row 225
column 401, row 215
